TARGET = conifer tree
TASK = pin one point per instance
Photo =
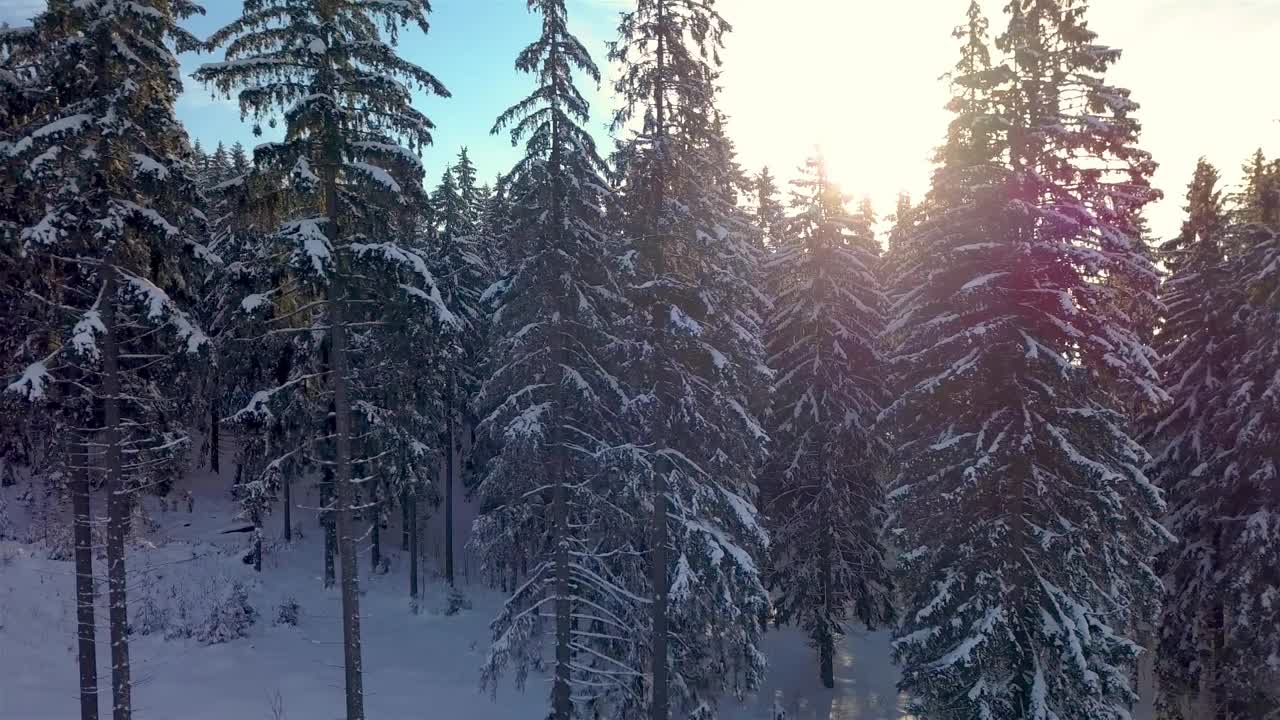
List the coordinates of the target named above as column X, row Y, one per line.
column 550, row 407
column 465, row 276
column 901, row 222
column 828, row 564
column 1261, row 177
column 239, row 159
column 1021, row 503
column 1219, row 643
column 770, row 214
column 106, row 253
column 26, row 434
column 341, row 265
column 698, row 361
column 1240, row 485
column 1196, row 349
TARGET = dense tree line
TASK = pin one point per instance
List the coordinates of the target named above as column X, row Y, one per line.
column 1022, row 432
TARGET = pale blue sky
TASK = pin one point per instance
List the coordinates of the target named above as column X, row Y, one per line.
column 471, row 49
column 859, row 78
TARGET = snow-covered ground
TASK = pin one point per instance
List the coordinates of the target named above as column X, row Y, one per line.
column 416, row 666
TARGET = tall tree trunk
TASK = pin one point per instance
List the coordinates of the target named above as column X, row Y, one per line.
column 215, row 438
column 286, row 479
column 826, row 637
column 448, row 487
column 411, row 502
column 117, row 508
column 561, row 707
column 86, row 626
column 326, row 524
column 1023, row 579
column 375, row 536
column 659, row 552
column 661, row 691
column 257, row 542
column 342, row 460
column 404, row 522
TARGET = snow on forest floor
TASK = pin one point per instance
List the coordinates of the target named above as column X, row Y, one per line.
column 416, row 666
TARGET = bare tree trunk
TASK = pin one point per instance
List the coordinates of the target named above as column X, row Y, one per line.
column 561, row 707
column 326, row 523
column 257, row 542
column 117, row 509
column 659, row 553
column 826, row 639
column 411, row 502
column 346, row 540
column 215, row 438
column 86, row 626
column 448, row 488
column 342, row 461
column 287, row 480
column 404, row 522
column 375, row 536
column 661, row 691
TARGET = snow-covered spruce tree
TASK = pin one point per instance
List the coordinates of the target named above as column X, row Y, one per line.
column 968, row 145
column 1197, row 349
column 459, row 262
column 1237, row 492
column 221, row 189
column 44, row 440
column 901, row 222
column 106, row 255
column 340, row 264
column 828, row 561
column 549, row 407
column 698, row 361
column 495, row 222
column 246, row 206
column 1260, row 176
column 770, row 215
column 1021, row 506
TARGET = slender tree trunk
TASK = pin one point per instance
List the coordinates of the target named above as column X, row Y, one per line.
column 448, row 488
column 215, row 438
column 404, row 522
column 326, row 523
column 117, row 509
column 342, row 461
column 561, row 707
column 1022, row 578
column 561, row 692
column 287, row 480
column 411, row 502
column 257, row 542
column 375, row 537
column 661, row 692
column 826, row 639
column 86, row 626
column 659, row 551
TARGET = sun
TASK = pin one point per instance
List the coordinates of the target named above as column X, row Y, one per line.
column 876, row 109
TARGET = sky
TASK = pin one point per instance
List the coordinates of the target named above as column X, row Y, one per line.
column 858, row 78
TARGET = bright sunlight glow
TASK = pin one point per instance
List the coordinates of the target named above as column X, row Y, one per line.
column 861, row 79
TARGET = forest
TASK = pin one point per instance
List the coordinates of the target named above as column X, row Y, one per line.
column 685, row 403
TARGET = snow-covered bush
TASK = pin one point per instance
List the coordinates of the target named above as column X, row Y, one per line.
column 289, row 612
column 6, row 525
column 182, row 605
column 150, row 616
column 456, row 602
column 230, row 615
